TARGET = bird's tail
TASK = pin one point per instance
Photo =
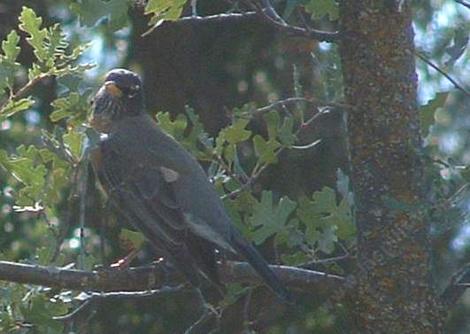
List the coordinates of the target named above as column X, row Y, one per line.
column 255, row 259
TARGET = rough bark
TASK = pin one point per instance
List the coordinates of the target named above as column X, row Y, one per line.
column 394, row 290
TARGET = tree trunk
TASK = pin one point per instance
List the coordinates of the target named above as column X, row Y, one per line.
column 394, row 289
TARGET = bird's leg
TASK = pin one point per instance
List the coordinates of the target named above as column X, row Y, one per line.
column 207, row 307
column 194, row 8
column 125, row 262
column 208, row 310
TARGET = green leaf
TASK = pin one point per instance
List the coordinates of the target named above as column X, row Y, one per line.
column 31, row 24
column 161, row 10
column 10, row 46
column 342, row 219
column 174, row 128
column 342, row 185
column 137, row 239
column 327, row 239
column 322, row 217
column 294, row 259
column 320, row 8
column 40, row 312
column 236, row 216
column 73, row 106
column 15, row 106
column 91, row 12
column 8, row 64
column 269, row 220
column 427, row 111
column 73, row 140
column 229, row 137
column 266, row 151
column 325, row 199
column 25, row 169
column 197, row 134
column 50, row 48
column 236, row 132
column 234, row 291
column 55, row 45
column 272, row 120
column 286, row 132
column 7, row 75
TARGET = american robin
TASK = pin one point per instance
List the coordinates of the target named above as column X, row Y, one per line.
column 161, row 188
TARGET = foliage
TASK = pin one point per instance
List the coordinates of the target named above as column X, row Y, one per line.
column 319, row 8
column 162, row 10
column 427, row 111
column 113, row 12
column 41, row 173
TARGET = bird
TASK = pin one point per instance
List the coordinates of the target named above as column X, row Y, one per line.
column 161, row 189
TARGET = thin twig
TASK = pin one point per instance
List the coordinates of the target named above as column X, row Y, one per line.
column 455, row 288
column 259, row 169
column 269, row 15
column 311, row 264
column 306, row 147
column 206, row 315
column 93, row 297
column 246, row 311
column 208, row 311
column 198, row 20
column 295, row 100
column 444, row 73
column 301, row 14
column 60, row 150
column 281, row 26
column 23, row 91
column 466, row 4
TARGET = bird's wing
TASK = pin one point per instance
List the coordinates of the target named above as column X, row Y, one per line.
column 142, row 193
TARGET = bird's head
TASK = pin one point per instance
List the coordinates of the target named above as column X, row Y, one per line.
column 120, row 96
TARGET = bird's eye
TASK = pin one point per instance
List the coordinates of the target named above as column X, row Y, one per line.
column 131, row 91
column 92, row 101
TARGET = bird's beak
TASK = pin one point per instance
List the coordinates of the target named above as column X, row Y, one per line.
column 112, row 89
column 99, row 120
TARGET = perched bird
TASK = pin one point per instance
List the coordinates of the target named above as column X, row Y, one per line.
column 161, row 189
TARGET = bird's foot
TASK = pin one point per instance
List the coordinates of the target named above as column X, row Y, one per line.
column 211, row 309
column 208, row 311
column 194, row 8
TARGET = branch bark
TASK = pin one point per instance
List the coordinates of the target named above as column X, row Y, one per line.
column 280, row 26
column 154, row 276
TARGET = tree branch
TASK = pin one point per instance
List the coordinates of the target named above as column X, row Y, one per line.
column 282, row 26
column 295, row 100
column 23, row 91
column 463, row 3
column 457, row 285
column 154, row 276
column 444, row 73
column 231, row 18
column 93, row 297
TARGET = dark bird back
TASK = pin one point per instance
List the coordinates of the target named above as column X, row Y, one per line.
column 161, row 189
